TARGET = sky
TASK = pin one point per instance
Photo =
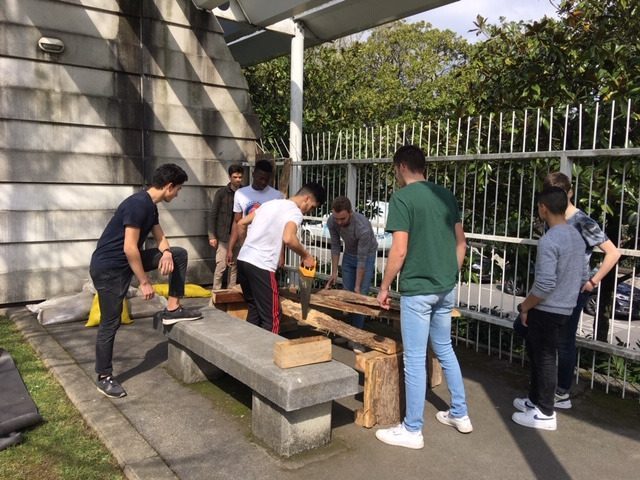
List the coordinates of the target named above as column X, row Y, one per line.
column 459, row 16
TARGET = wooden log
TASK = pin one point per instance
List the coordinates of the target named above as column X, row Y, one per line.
column 285, row 174
column 327, row 301
column 326, row 323
column 383, row 397
column 302, row 351
column 358, row 299
column 434, row 370
column 355, row 298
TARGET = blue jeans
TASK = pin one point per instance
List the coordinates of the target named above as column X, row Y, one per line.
column 423, row 317
column 349, row 268
column 567, row 346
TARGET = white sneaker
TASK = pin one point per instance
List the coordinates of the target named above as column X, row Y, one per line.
column 462, row 424
column 400, row 437
column 523, row 404
column 534, row 418
column 562, row 400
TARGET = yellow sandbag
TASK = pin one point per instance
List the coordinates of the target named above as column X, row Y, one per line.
column 190, row 290
column 94, row 314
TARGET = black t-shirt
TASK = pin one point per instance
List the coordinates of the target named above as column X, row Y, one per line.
column 138, row 211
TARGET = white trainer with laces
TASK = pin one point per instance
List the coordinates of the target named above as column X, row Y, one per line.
column 462, row 424
column 534, row 418
column 401, row 437
column 523, row 404
column 562, row 400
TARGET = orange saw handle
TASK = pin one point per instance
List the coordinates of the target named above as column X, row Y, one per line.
column 308, row 272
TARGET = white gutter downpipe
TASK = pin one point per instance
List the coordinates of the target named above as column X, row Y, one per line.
column 295, row 118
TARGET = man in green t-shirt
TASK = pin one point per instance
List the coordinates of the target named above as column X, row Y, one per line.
column 428, row 248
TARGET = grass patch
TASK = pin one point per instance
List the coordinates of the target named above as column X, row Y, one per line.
column 63, row 447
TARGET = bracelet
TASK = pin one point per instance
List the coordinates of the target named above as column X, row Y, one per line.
column 593, row 284
column 167, row 250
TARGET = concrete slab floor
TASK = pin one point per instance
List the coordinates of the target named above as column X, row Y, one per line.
column 203, row 431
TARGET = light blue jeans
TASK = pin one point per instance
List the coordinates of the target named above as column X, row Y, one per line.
column 349, row 268
column 424, row 317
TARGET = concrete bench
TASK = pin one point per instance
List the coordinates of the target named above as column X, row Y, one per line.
column 291, row 408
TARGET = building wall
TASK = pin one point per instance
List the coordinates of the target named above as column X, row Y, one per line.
column 139, row 84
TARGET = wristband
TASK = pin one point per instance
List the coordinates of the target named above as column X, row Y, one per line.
column 593, row 284
column 166, row 250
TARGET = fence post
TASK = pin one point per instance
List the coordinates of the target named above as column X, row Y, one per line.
column 566, row 165
column 352, row 183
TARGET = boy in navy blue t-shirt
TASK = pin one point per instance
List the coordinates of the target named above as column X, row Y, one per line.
column 119, row 255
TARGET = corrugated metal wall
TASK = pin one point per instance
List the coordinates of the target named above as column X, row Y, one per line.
column 140, row 83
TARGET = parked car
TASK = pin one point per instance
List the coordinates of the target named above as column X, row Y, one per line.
column 318, row 232
column 623, row 302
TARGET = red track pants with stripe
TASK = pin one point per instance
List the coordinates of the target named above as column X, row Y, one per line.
column 260, row 291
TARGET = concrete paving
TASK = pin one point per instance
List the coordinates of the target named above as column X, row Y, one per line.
column 166, row 430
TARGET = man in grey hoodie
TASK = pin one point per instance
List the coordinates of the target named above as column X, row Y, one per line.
column 560, row 271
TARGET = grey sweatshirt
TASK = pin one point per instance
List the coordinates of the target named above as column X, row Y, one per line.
column 358, row 237
column 560, row 269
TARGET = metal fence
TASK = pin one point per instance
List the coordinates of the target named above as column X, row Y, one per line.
column 494, row 165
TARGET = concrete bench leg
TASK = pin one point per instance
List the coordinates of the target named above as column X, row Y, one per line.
column 288, row 433
column 188, row 367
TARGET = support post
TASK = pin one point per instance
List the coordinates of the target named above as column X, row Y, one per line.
column 566, row 165
column 295, row 116
column 352, row 184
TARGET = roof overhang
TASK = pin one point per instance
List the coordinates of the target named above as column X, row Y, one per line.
column 259, row 30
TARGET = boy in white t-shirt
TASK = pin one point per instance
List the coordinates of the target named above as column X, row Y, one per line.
column 272, row 224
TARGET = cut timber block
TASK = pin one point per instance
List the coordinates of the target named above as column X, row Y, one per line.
column 238, row 310
column 383, row 400
column 231, row 301
column 302, row 351
column 229, row 295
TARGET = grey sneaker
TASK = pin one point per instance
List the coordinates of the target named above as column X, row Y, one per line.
column 563, row 401
column 462, row 424
column 109, row 387
column 180, row 314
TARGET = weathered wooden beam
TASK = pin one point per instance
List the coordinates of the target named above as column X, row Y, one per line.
column 336, row 303
column 356, row 298
column 327, row 323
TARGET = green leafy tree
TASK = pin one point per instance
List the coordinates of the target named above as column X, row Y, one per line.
column 400, row 72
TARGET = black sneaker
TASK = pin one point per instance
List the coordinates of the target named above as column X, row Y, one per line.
column 109, row 387
column 179, row 315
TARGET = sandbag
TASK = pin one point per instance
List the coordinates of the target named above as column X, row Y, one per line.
column 94, row 314
column 63, row 308
column 190, row 290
